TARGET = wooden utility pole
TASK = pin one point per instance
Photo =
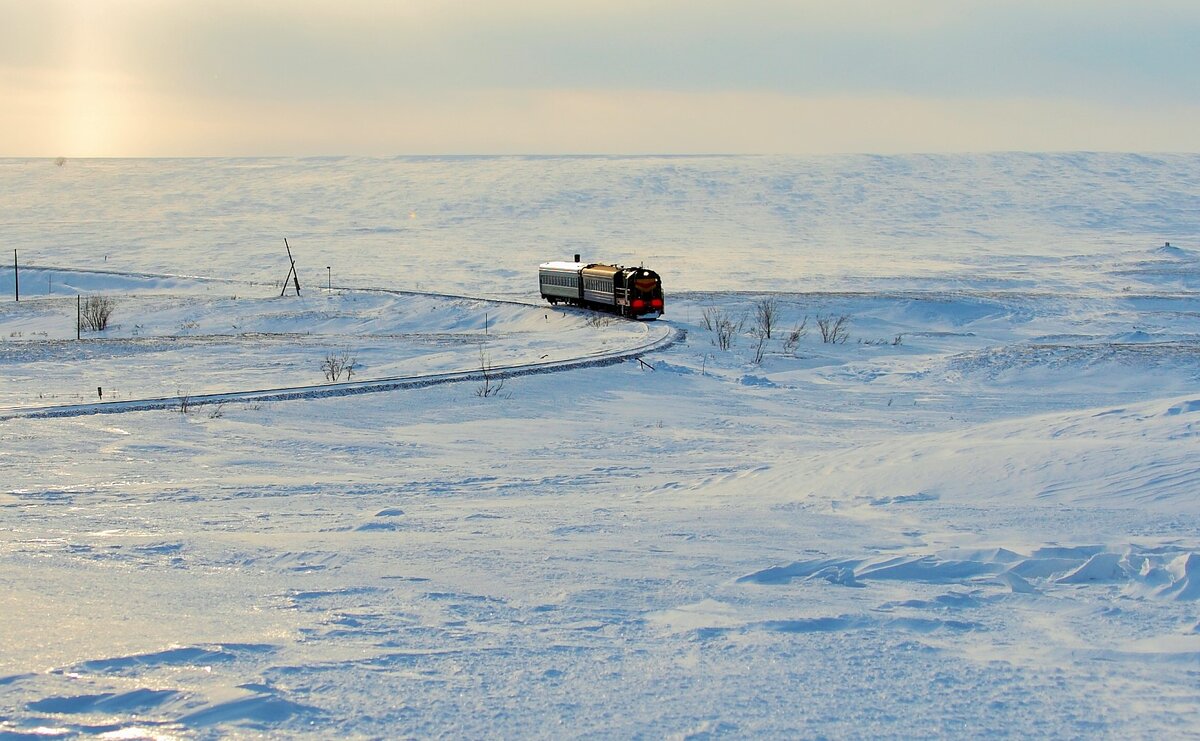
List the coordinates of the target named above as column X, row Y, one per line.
column 78, row 314
column 291, row 271
column 16, row 278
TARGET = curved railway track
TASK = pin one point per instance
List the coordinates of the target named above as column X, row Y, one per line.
column 661, row 336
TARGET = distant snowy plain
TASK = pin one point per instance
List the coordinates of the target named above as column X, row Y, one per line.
column 977, row 516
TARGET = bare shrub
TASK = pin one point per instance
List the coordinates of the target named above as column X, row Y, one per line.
column 185, row 402
column 792, row 341
column 334, row 365
column 491, row 386
column 596, row 321
column 723, row 326
column 834, row 330
column 760, row 347
column 95, row 311
column 766, row 315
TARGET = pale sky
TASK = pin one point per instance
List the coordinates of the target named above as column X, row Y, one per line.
column 299, row 77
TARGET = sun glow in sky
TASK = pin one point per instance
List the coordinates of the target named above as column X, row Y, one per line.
column 246, row 77
column 92, row 93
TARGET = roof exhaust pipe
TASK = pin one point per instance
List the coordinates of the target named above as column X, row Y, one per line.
column 577, row 258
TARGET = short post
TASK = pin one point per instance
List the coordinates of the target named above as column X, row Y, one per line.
column 78, row 314
column 485, row 324
column 16, row 278
column 329, row 278
column 100, row 392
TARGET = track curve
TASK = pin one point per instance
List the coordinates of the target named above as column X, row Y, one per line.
column 665, row 336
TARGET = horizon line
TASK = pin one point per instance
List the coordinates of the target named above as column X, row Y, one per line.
column 601, row 155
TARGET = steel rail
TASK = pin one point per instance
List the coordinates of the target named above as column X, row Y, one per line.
column 668, row 337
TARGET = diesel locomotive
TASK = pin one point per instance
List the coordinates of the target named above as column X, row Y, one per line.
column 630, row 292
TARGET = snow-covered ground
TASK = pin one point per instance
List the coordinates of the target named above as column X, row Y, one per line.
column 977, row 515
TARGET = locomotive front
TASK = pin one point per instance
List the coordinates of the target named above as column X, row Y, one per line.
column 645, row 294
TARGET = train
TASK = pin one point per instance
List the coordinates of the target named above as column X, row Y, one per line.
column 630, row 292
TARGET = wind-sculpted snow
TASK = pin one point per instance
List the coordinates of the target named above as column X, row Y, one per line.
column 187, row 656
column 1162, row 573
column 135, row 701
column 1071, row 357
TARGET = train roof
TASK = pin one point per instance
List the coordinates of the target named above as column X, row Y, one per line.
column 574, row 267
column 605, row 269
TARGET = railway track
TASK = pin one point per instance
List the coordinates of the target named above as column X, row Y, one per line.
column 662, row 336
